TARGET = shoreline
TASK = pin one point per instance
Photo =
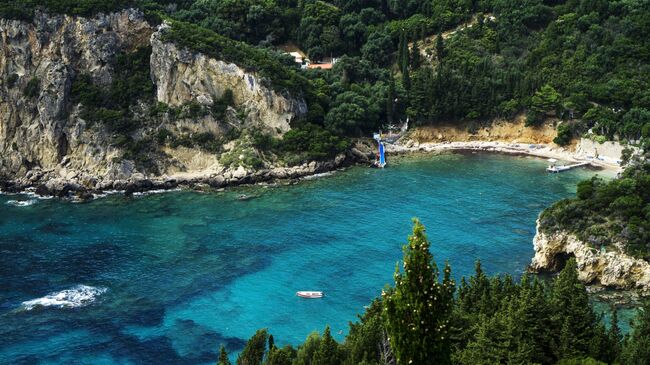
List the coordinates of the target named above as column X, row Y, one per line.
column 46, row 186
column 509, row 148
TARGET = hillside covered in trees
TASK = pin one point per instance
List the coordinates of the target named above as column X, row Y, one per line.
column 427, row 318
column 585, row 62
column 609, row 214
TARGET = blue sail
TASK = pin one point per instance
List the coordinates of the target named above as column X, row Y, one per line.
column 382, row 158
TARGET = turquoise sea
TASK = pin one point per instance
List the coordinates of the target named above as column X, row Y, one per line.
column 166, row 278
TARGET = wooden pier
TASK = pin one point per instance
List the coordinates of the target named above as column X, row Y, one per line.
column 561, row 168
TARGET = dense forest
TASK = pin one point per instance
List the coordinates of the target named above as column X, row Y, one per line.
column 582, row 63
column 608, row 213
column 426, row 318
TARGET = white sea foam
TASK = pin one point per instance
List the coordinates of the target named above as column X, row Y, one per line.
column 22, row 203
column 78, row 296
column 155, row 191
column 317, row 176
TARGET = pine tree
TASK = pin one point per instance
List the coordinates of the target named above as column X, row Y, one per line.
column 328, row 351
column 223, row 357
column 636, row 350
column 253, row 353
column 417, row 310
column 283, row 356
column 573, row 313
column 615, row 338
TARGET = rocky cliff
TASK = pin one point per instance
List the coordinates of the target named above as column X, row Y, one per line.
column 43, row 134
column 182, row 77
column 613, row 269
column 38, row 61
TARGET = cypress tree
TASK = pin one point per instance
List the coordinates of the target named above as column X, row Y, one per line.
column 400, row 48
column 417, row 310
column 440, row 48
column 615, row 337
column 573, row 313
column 390, row 101
column 636, row 349
column 404, row 66
column 253, row 353
column 223, row 357
column 328, row 351
column 416, row 57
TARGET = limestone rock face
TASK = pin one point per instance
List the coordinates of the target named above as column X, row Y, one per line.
column 43, row 137
column 182, row 76
column 38, row 129
column 611, row 269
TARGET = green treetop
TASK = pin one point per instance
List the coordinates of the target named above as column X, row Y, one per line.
column 253, row 353
column 223, row 357
column 418, row 308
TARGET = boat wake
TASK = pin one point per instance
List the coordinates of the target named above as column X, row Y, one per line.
column 78, row 296
column 22, row 203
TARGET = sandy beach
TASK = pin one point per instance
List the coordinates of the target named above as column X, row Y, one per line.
column 537, row 150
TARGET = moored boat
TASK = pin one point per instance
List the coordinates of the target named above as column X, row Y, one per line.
column 310, row 294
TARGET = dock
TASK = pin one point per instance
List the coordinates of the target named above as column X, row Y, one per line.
column 561, row 168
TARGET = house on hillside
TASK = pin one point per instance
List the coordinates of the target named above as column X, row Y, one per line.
column 324, row 64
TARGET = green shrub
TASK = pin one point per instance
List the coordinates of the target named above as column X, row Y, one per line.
column 564, row 134
column 310, row 142
column 11, row 80
column 600, row 139
column 33, row 88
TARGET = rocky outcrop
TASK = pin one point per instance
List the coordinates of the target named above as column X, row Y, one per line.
column 39, row 128
column 610, row 269
column 182, row 76
column 45, row 142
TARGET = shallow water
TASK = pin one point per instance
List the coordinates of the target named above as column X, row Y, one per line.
column 167, row 278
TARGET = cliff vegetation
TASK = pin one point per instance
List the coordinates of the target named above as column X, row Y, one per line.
column 612, row 214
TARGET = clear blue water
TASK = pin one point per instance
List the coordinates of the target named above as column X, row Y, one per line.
column 184, row 272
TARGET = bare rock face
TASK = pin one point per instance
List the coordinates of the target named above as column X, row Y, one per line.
column 611, row 269
column 39, row 128
column 43, row 137
column 182, row 76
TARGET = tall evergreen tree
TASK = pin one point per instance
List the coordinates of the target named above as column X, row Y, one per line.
column 223, row 357
column 390, row 101
column 416, row 57
column 417, row 310
column 404, row 65
column 615, row 338
column 573, row 314
column 328, row 351
column 440, row 48
column 636, row 350
column 253, row 353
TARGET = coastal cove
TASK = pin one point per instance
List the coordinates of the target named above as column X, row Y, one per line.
column 171, row 276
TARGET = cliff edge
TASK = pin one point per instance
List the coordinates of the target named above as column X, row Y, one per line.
column 62, row 78
column 612, row 268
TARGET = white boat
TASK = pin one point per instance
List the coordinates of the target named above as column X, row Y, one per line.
column 310, row 294
column 554, row 168
column 557, row 168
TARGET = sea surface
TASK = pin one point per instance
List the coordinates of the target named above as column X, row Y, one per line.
column 167, row 278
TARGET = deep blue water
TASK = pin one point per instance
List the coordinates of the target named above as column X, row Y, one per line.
column 172, row 276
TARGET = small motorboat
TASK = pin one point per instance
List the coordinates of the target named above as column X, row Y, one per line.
column 310, row 294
